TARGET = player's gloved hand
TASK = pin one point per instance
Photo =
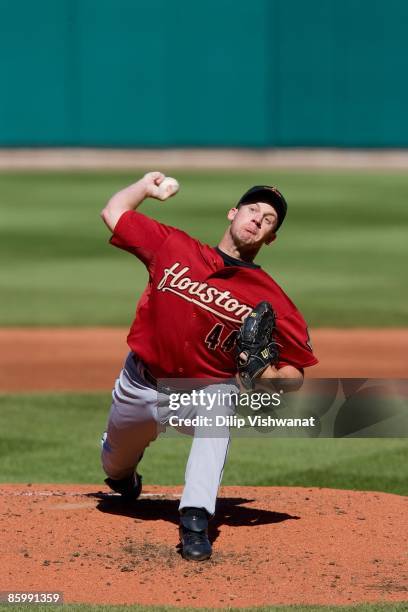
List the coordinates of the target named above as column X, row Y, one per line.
column 256, row 348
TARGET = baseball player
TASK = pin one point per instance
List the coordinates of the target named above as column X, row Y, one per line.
column 186, row 324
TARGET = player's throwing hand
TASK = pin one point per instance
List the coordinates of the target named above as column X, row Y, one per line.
column 152, row 185
column 159, row 186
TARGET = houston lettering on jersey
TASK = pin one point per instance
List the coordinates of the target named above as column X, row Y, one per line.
column 176, row 280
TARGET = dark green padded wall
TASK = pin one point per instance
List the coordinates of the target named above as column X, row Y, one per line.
column 166, row 73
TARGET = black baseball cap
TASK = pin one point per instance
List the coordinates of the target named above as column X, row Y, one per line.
column 270, row 195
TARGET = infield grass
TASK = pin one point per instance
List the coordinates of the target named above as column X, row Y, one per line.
column 340, row 255
column 55, row 438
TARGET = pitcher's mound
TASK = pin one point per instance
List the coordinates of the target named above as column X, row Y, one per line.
column 271, row 546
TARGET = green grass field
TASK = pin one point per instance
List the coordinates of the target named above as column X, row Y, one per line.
column 340, row 255
column 55, row 438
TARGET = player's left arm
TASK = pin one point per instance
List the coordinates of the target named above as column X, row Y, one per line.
column 295, row 352
column 290, row 378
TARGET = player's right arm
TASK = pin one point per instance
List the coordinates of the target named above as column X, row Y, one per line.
column 131, row 197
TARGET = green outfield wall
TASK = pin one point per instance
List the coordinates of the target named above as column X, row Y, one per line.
column 161, row 73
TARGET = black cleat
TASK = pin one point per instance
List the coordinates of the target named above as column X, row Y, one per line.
column 194, row 534
column 130, row 488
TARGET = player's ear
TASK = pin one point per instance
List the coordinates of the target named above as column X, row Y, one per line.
column 232, row 213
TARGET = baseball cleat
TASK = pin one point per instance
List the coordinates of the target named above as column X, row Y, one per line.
column 194, row 534
column 130, row 488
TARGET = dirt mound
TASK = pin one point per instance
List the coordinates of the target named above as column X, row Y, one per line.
column 271, row 546
column 69, row 359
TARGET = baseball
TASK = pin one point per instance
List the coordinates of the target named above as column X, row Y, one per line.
column 167, row 188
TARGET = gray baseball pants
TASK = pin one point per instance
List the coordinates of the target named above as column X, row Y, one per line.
column 139, row 414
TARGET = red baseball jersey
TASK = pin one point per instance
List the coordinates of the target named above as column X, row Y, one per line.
column 193, row 306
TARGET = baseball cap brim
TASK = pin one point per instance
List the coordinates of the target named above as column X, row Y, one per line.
column 269, row 194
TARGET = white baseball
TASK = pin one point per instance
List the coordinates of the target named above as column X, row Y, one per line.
column 167, row 188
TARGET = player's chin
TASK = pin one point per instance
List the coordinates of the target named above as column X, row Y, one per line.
column 247, row 238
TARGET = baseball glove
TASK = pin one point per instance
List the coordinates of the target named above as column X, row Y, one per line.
column 256, row 348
